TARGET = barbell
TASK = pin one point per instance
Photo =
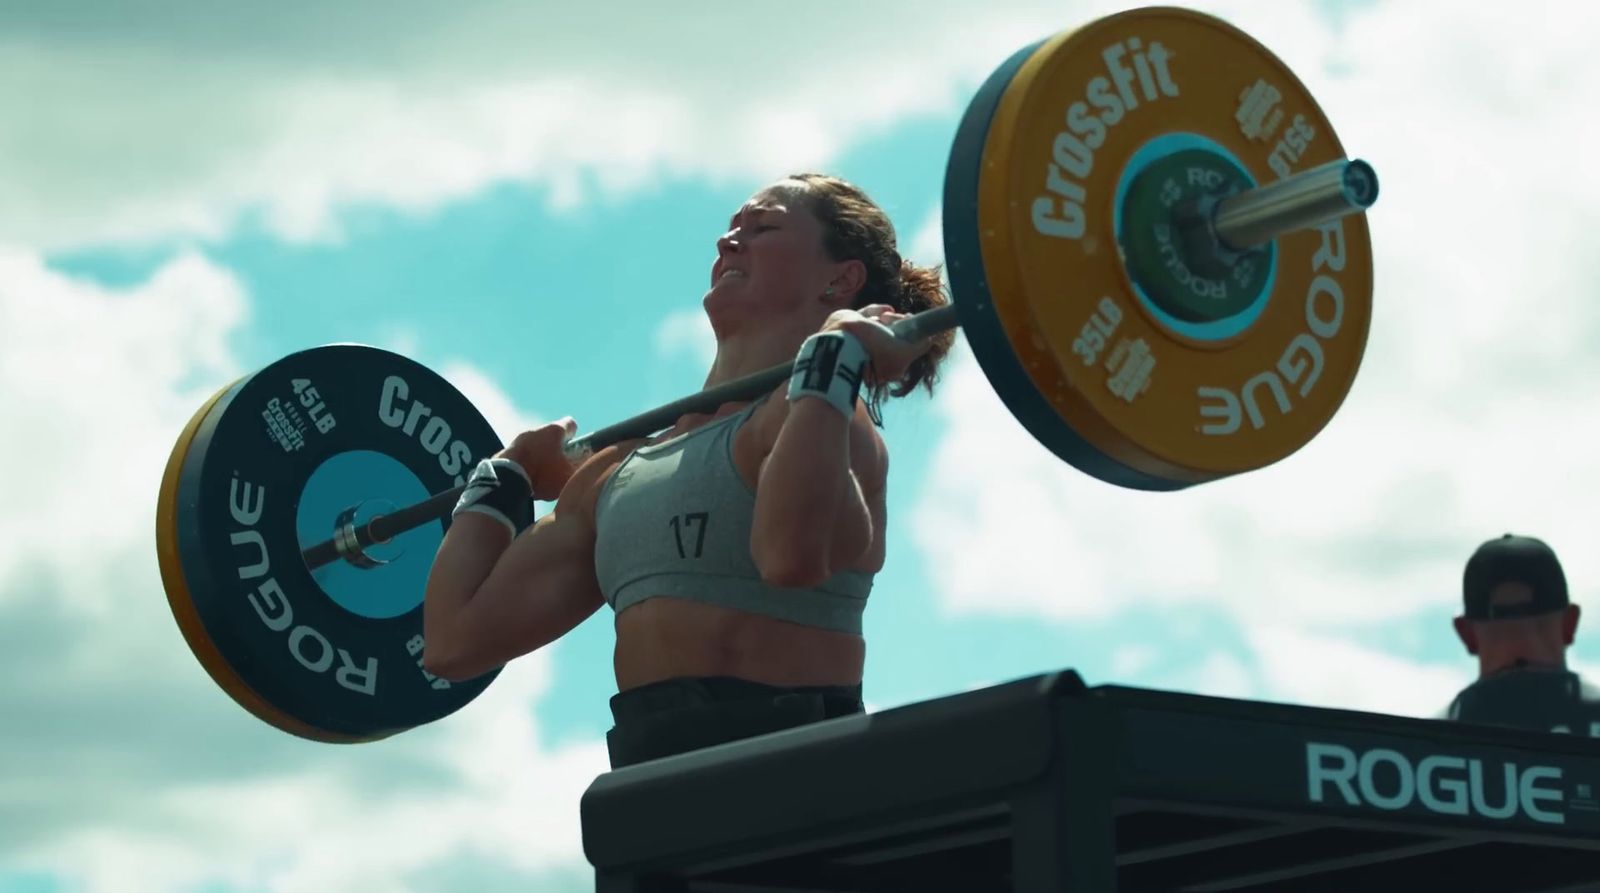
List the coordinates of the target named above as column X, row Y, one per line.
column 1157, row 252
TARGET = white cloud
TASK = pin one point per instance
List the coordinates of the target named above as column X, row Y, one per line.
column 1330, row 671
column 313, row 110
column 1224, row 676
column 502, row 414
column 403, row 339
column 510, row 800
column 94, row 386
column 687, row 333
column 1133, row 659
column 1284, row 663
column 926, row 245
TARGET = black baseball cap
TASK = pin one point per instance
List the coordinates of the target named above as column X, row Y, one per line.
column 1513, row 559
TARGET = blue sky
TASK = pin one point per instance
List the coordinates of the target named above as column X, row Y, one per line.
column 171, row 226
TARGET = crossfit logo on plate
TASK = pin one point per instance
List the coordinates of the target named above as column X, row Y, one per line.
column 1114, row 96
column 283, row 432
column 287, row 426
column 1258, row 113
column 1259, row 116
column 1131, row 363
column 1448, row 785
column 310, row 648
column 396, row 410
column 1302, row 359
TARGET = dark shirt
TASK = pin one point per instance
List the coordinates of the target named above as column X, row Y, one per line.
column 1551, row 700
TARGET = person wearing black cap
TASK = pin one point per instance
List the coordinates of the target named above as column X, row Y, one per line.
column 1518, row 621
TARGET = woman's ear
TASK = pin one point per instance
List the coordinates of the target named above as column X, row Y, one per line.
column 849, row 278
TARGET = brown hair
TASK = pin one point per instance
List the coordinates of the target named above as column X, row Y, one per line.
column 855, row 228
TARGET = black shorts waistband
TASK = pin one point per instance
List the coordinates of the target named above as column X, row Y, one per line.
column 669, row 695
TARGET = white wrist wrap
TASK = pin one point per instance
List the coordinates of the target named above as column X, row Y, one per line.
column 500, row 489
column 829, row 367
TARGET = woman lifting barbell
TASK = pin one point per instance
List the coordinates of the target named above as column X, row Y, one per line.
column 738, row 548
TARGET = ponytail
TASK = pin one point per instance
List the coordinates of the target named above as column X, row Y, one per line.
column 915, row 290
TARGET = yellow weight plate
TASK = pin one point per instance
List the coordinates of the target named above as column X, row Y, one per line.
column 1082, row 118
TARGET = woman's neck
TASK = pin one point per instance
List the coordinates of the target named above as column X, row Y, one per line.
column 748, row 351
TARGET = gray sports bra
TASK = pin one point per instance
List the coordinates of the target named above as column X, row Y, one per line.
column 674, row 521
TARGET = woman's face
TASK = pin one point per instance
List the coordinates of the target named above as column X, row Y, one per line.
column 771, row 261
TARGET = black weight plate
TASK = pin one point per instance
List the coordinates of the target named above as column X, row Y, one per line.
column 332, row 655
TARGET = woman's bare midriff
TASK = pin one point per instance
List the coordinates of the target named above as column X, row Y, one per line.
column 663, row 638
column 666, row 638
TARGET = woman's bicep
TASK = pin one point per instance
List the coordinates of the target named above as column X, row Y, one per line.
column 859, row 542
column 872, row 558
